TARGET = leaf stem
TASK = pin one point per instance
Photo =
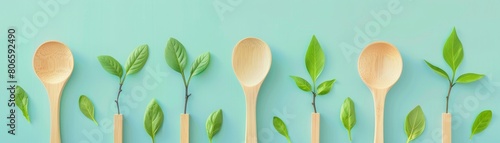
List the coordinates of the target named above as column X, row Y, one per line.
column 349, row 133
column 314, row 101
column 408, row 140
column 289, row 141
column 118, row 96
column 186, row 98
column 448, row 96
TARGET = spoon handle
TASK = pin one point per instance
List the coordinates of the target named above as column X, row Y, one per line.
column 251, row 124
column 379, row 102
column 118, row 129
column 54, row 92
column 315, row 127
column 446, row 128
column 184, row 128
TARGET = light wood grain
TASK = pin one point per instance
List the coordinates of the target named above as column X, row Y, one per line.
column 251, row 63
column 315, row 127
column 380, row 66
column 446, row 127
column 184, row 128
column 118, row 128
column 53, row 64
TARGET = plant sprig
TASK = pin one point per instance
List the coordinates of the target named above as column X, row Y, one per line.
column 453, row 54
column 348, row 116
column 214, row 124
column 176, row 57
column 153, row 119
column 87, row 108
column 134, row 64
column 315, row 61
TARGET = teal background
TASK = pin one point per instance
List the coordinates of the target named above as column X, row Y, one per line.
column 419, row 28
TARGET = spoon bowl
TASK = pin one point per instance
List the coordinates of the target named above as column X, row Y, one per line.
column 53, row 64
column 380, row 66
column 251, row 63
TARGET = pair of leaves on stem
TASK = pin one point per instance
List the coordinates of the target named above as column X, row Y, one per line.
column 415, row 123
column 22, row 101
column 280, row 126
column 153, row 119
column 176, row 57
column 134, row 64
column 453, row 54
column 214, row 124
column 87, row 108
column 481, row 123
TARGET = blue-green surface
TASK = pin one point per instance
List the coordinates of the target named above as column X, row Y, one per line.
column 419, row 28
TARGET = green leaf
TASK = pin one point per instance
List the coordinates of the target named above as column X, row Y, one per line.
column 280, row 126
column 469, row 77
column 87, row 108
column 348, row 115
column 438, row 70
column 111, row 65
column 137, row 59
column 302, row 83
column 325, row 87
column 482, row 121
column 315, row 59
column 175, row 55
column 200, row 64
column 415, row 123
column 153, row 119
column 22, row 102
column 453, row 52
column 214, row 124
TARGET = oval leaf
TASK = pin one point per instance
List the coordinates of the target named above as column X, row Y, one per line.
column 469, row 77
column 315, row 59
column 438, row 70
column 214, row 124
column 87, row 107
column 348, row 115
column 280, row 126
column 302, row 83
column 325, row 87
column 482, row 121
column 137, row 59
column 22, row 101
column 415, row 123
column 153, row 118
column 175, row 55
column 200, row 64
column 453, row 52
column 111, row 65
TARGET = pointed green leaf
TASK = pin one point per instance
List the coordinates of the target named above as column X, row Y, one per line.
column 214, row 124
column 348, row 115
column 453, row 52
column 87, row 108
column 302, row 83
column 469, row 77
column 481, row 123
column 200, row 64
column 280, row 126
column 22, row 101
column 438, row 70
column 315, row 59
column 175, row 55
column 153, row 119
column 325, row 87
column 111, row 65
column 137, row 59
column 415, row 123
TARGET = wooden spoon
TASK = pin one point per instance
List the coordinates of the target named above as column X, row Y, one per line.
column 380, row 66
column 53, row 64
column 251, row 63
